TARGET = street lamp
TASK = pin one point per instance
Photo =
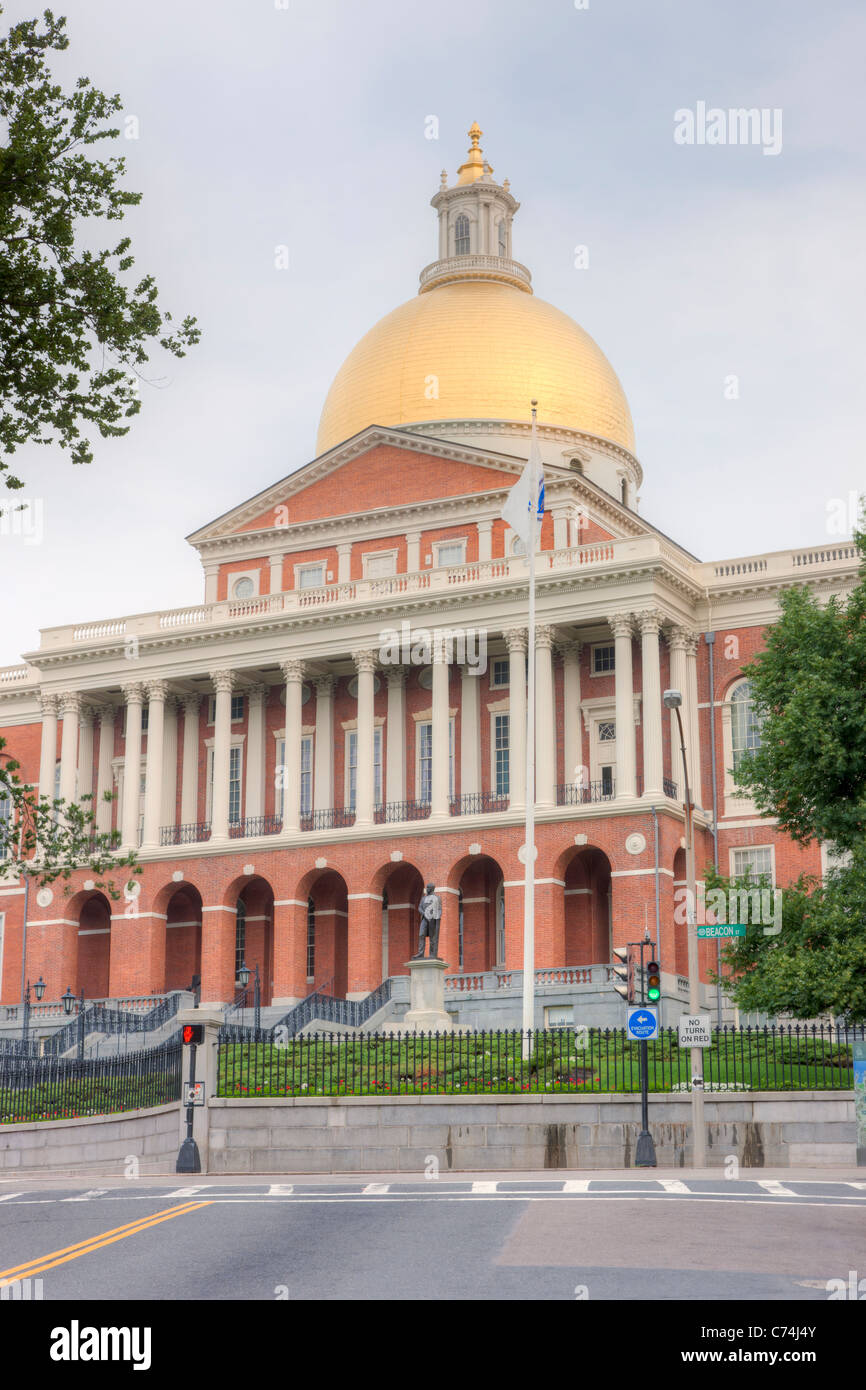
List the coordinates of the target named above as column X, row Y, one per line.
column 243, row 981
column 68, row 1001
column 673, row 700
column 38, row 990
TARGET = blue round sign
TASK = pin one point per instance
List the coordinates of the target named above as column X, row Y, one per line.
column 643, row 1023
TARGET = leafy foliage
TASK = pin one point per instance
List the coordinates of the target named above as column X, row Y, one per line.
column 73, row 335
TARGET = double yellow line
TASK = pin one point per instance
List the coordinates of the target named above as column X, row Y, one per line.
column 86, row 1247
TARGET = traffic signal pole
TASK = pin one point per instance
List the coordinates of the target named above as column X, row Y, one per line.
column 645, row 1153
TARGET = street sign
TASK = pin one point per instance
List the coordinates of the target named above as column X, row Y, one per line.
column 193, row 1093
column 718, row 930
column 695, row 1030
column 643, row 1022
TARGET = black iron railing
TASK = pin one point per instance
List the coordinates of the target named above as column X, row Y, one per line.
column 319, row 1006
column 478, row 803
column 55, row 1088
column 255, row 825
column 334, row 818
column 669, row 788
column 391, row 812
column 571, row 794
column 185, row 834
column 783, row 1058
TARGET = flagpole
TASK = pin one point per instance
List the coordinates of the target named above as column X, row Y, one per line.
column 529, row 839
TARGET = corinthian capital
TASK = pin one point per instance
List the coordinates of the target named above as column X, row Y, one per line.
column 543, row 636
column 650, row 622
column 364, row 661
column 48, row 704
column 157, row 690
column 133, row 693
column 70, row 703
column 622, row 624
column 223, row 680
column 292, row 669
column 515, row 639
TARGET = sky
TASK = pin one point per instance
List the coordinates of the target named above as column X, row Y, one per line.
column 724, row 283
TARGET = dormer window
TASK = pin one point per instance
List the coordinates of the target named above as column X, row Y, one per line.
column 461, row 235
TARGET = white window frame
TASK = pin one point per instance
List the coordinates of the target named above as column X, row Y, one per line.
column 211, row 708
column 428, row 724
column 237, row 741
column 307, row 745
column 494, row 683
column 596, row 647
column 350, row 796
column 379, row 555
column 459, row 542
column 736, row 803
column 236, row 576
column 305, row 568
column 748, row 849
column 494, row 715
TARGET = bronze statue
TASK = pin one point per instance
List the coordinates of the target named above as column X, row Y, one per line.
column 430, row 908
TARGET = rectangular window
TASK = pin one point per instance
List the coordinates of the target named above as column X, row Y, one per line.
column 607, row 731
column 307, row 775
column 607, row 781
column 352, row 767
column 280, row 797
column 145, row 718
column 311, row 940
column 424, row 772
column 752, row 862
column 500, row 674
column 234, row 785
column 450, row 553
column 501, row 754
column 311, row 576
column 237, row 708
column 380, row 564
column 603, row 660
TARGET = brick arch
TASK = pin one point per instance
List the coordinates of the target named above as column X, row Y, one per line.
column 586, row 872
column 183, row 933
column 93, row 972
column 400, row 885
column 330, row 894
column 479, row 880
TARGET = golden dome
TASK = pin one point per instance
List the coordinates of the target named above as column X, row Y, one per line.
column 476, row 350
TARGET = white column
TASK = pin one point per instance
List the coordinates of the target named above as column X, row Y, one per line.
column 85, row 753
column 651, row 705
column 293, row 671
column 255, row 770
column 48, row 747
column 560, row 528
column 395, row 737
column 545, row 718
column 276, row 573
column 694, row 726
column 516, row 641
column 344, row 563
column 443, row 234
column 626, row 785
column 70, row 705
column 571, row 715
column 156, row 693
column 168, row 809
column 485, row 540
column 211, row 581
column 470, row 732
column 678, row 642
column 440, row 731
column 189, row 771
column 365, row 665
column 219, row 817
column 133, row 695
column 323, row 769
column 103, row 772
column 413, row 551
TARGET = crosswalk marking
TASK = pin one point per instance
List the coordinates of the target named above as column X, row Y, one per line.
column 186, row 1191
column 861, row 1185
column 775, row 1189
column 85, row 1196
column 280, row 1190
column 484, row 1186
column 576, row 1185
column 7, row 1196
column 673, row 1185
column 376, row 1189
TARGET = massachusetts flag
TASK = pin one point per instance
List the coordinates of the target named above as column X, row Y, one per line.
column 517, row 510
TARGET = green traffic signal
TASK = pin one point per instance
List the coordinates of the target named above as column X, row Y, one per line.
column 654, row 982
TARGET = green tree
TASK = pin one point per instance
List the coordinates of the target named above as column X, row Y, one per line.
column 809, row 691
column 73, row 335
column 46, row 840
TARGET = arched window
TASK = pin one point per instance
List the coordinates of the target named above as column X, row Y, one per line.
column 240, row 934
column 745, row 725
column 311, row 939
column 503, row 238
column 461, row 235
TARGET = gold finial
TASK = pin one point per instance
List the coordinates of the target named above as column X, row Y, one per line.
column 475, row 166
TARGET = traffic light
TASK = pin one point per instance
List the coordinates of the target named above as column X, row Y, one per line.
column 653, row 982
column 193, row 1033
column 623, row 970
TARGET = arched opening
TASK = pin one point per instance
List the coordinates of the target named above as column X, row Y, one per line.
column 482, row 899
column 254, row 936
column 94, row 947
column 461, row 235
column 183, row 939
column 588, row 908
column 401, row 893
column 327, row 934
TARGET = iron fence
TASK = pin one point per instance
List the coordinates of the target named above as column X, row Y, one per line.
column 568, row 1060
column 190, row 834
column 59, row 1088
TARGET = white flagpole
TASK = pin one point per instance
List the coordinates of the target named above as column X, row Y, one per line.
column 529, row 840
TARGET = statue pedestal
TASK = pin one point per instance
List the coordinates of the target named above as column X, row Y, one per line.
column 426, row 998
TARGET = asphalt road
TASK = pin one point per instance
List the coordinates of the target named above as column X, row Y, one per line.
column 673, row 1236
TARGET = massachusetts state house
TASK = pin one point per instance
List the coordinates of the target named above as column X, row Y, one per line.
column 290, row 779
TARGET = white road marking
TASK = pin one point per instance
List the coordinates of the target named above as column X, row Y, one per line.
column 484, row 1186
column 775, row 1189
column 280, row 1190
column 673, row 1185
column 185, row 1192
column 85, row 1196
column 376, row 1189
column 7, row 1196
column 861, row 1185
column 576, row 1185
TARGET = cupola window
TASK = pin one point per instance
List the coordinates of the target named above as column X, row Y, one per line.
column 461, row 235
column 503, row 239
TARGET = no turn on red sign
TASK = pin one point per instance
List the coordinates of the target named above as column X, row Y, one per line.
column 695, row 1030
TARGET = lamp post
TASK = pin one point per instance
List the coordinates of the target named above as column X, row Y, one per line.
column 68, row 1001
column 38, row 990
column 243, row 981
column 673, row 700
